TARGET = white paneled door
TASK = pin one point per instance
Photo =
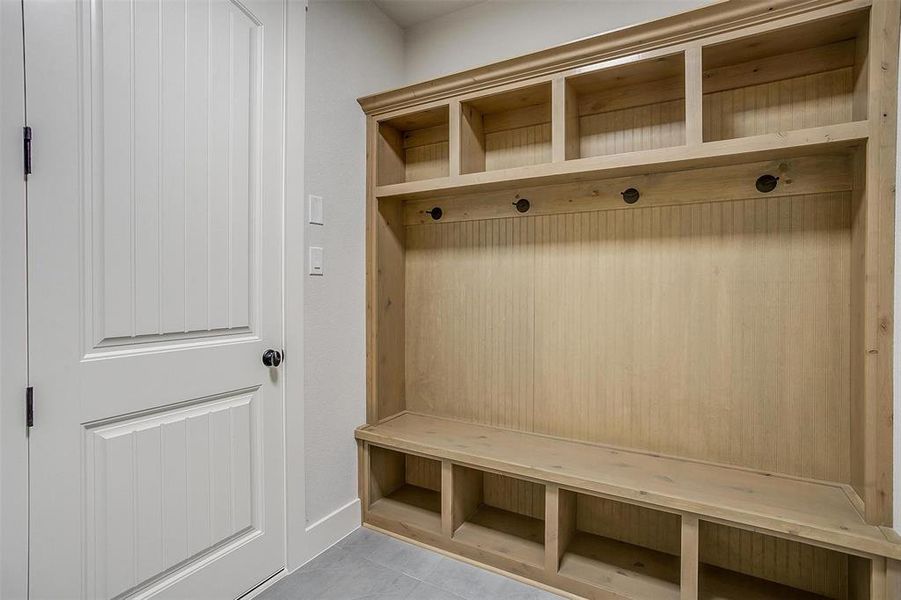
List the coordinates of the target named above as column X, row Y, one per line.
column 155, row 227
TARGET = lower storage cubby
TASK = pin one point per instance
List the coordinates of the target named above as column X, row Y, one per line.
column 617, row 546
column 499, row 514
column 744, row 565
column 405, row 488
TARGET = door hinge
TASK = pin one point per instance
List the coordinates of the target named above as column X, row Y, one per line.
column 26, row 142
column 29, row 406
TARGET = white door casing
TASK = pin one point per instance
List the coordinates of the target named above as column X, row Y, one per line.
column 155, row 284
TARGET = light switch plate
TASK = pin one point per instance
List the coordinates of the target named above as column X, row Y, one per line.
column 316, row 210
column 316, row 266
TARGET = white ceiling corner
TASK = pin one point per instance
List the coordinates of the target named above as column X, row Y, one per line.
column 407, row 13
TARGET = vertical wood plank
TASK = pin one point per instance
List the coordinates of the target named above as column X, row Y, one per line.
column 892, row 579
column 454, row 140
column 694, row 81
column 689, row 557
column 472, row 140
column 372, row 285
column 560, row 524
column 390, row 308
column 878, row 291
column 879, row 580
column 558, row 120
column 467, row 494
column 447, row 498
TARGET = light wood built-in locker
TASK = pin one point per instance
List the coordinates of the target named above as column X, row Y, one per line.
column 630, row 308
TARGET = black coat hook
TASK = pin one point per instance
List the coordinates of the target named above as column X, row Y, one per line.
column 766, row 183
column 630, row 196
column 436, row 213
column 522, row 205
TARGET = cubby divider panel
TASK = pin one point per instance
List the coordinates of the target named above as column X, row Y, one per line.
column 805, row 76
column 737, row 564
column 627, row 108
column 405, row 488
column 499, row 514
column 506, row 130
column 413, row 147
column 619, row 546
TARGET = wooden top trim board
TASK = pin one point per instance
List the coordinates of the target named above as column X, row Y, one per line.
column 815, row 511
column 719, row 17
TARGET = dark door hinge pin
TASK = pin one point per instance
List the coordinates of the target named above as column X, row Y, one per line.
column 26, row 136
column 29, row 406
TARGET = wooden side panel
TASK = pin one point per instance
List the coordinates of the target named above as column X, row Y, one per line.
column 467, row 493
column 808, row 101
column 389, row 310
column 630, row 129
column 386, row 472
column 874, row 239
column 797, row 565
column 712, row 331
column 688, row 581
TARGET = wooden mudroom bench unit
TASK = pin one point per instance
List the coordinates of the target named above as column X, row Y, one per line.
column 629, row 308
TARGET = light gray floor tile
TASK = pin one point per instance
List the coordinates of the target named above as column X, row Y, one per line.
column 367, row 565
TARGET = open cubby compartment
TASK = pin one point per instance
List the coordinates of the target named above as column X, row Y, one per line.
column 499, row 514
column 737, row 564
column 804, row 76
column 625, row 108
column 618, row 546
column 405, row 488
column 413, row 147
column 510, row 129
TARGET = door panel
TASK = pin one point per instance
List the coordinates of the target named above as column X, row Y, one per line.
column 157, row 455
column 176, row 100
column 166, row 487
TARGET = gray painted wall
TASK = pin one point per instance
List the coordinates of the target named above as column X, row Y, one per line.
column 352, row 50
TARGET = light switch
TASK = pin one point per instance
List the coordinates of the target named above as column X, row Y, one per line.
column 316, row 210
column 316, row 267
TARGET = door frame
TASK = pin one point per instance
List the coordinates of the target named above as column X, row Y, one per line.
column 14, row 300
column 13, row 308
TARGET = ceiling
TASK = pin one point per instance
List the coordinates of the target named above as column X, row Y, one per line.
column 407, row 13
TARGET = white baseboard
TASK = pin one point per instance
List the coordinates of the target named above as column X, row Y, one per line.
column 330, row 529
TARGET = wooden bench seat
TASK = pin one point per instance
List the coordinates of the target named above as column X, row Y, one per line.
column 823, row 513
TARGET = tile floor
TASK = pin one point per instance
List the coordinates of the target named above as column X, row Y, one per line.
column 367, row 565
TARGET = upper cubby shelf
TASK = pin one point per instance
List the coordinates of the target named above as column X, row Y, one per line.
column 511, row 129
column 828, row 139
column 636, row 106
column 785, row 89
column 798, row 77
column 413, row 147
